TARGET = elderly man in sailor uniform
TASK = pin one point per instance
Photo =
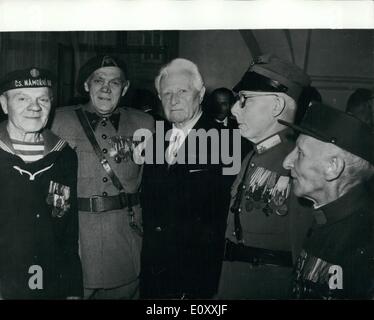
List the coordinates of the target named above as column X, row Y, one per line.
column 38, row 208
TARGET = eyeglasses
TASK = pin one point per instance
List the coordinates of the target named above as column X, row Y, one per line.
column 242, row 98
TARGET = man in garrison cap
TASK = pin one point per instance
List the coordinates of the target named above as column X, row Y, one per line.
column 38, row 209
column 329, row 165
column 108, row 178
column 266, row 224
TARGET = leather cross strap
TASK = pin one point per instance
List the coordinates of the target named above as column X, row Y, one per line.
column 235, row 208
column 91, row 137
column 129, row 198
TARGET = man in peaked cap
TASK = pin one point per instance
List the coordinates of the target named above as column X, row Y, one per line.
column 332, row 159
column 266, row 225
column 38, row 209
column 108, row 178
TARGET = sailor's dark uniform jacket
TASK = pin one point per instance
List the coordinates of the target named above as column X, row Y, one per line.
column 39, row 222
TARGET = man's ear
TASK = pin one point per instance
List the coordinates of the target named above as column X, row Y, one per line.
column 125, row 87
column 86, row 88
column 201, row 94
column 334, row 168
column 4, row 104
column 279, row 106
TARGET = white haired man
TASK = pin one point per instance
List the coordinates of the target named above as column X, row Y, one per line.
column 329, row 165
column 184, row 204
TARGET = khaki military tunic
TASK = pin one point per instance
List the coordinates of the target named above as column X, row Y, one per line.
column 264, row 226
column 110, row 249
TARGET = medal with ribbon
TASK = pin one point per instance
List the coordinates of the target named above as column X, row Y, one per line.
column 267, row 190
column 122, row 148
column 59, row 198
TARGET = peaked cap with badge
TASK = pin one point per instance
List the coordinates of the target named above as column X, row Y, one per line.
column 27, row 78
column 95, row 63
column 266, row 224
column 269, row 73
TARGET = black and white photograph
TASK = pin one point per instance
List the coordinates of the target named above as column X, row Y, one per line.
column 187, row 164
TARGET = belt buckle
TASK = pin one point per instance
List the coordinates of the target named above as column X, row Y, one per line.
column 92, row 203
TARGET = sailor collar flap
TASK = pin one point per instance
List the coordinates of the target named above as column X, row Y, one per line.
column 51, row 141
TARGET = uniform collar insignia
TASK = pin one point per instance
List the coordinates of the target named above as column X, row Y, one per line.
column 94, row 119
column 268, row 143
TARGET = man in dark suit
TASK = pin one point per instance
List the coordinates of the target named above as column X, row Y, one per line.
column 219, row 106
column 184, row 199
column 220, row 103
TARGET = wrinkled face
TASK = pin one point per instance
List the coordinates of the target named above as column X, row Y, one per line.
column 221, row 105
column 105, row 87
column 27, row 108
column 254, row 114
column 307, row 162
column 180, row 99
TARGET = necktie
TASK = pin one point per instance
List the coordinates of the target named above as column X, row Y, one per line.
column 175, row 143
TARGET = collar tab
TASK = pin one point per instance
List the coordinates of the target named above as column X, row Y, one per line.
column 268, row 143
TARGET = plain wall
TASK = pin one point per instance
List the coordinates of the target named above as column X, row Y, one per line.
column 222, row 56
column 338, row 61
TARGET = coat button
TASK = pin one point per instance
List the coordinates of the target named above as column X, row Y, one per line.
column 104, row 136
column 117, row 159
column 105, row 150
column 103, row 123
column 158, row 229
column 105, row 194
column 38, row 216
column 105, row 179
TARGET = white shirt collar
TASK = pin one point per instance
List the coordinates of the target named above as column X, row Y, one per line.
column 224, row 121
column 189, row 124
column 182, row 132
